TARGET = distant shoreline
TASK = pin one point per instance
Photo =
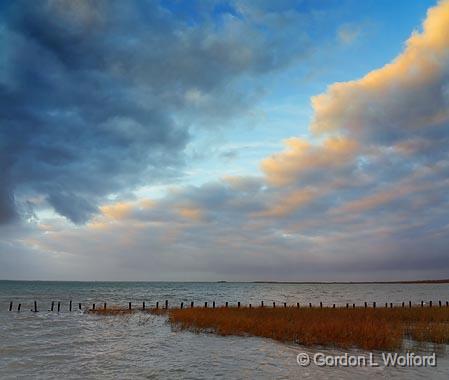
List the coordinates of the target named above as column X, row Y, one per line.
column 440, row 281
column 443, row 281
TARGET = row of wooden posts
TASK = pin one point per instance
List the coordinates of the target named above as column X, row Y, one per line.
column 52, row 307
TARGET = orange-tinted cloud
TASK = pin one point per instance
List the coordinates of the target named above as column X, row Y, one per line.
column 302, row 157
column 404, row 94
column 192, row 213
column 117, row 210
column 285, row 205
column 123, row 210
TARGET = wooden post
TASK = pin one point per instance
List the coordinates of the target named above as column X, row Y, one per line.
column 70, row 305
column 205, row 305
column 366, row 305
column 93, row 306
column 10, row 305
column 310, row 304
column 410, row 304
column 386, row 305
column 285, row 304
column 238, row 304
column 274, row 304
column 35, row 306
column 447, row 303
column 143, row 305
column 59, row 306
column 333, row 306
column 18, row 307
column 297, row 305
column 374, row 305
column 104, row 306
column 353, row 305
column 52, row 305
column 166, row 304
column 261, row 303
column 191, row 304
column 79, row 306
column 347, row 306
column 157, row 304
column 182, row 305
column 391, row 305
column 430, row 303
column 213, row 304
column 422, row 303
column 250, row 306
column 226, row 304
column 439, row 303
column 321, row 305
column 129, row 305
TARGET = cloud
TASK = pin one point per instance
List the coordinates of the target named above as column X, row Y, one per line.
column 289, row 203
column 348, row 34
column 7, row 211
column 192, row 213
column 406, row 96
column 117, row 210
column 98, row 97
column 302, row 158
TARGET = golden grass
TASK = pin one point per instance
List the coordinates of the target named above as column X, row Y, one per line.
column 366, row 328
column 435, row 332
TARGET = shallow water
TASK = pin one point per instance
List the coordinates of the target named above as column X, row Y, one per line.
column 76, row 345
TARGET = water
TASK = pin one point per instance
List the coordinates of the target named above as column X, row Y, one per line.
column 75, row 345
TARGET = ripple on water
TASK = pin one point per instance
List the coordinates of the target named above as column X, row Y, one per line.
column 74, row 345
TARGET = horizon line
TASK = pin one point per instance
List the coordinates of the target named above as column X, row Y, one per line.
column 427, row 281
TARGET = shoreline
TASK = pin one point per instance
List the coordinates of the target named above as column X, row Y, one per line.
column 442, row 281
column 404, row 282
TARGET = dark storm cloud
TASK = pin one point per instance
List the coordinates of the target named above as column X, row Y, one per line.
column 93, row 93
column 7, row 211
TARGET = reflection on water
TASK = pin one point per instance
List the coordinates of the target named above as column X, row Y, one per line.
column 76, row 345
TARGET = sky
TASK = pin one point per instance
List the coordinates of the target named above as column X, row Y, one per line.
column 224, row 140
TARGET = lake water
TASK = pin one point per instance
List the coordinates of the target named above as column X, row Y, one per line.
column 75, row 345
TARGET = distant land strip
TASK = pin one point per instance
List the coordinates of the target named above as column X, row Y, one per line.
column 442, row 281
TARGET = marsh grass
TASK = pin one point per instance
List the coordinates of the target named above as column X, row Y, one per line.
column 380, row 328
column 366, row 328
column 114, row 310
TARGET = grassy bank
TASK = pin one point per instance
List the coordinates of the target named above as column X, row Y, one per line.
column 380, row 328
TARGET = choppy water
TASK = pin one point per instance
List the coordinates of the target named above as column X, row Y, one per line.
column 76, row 345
